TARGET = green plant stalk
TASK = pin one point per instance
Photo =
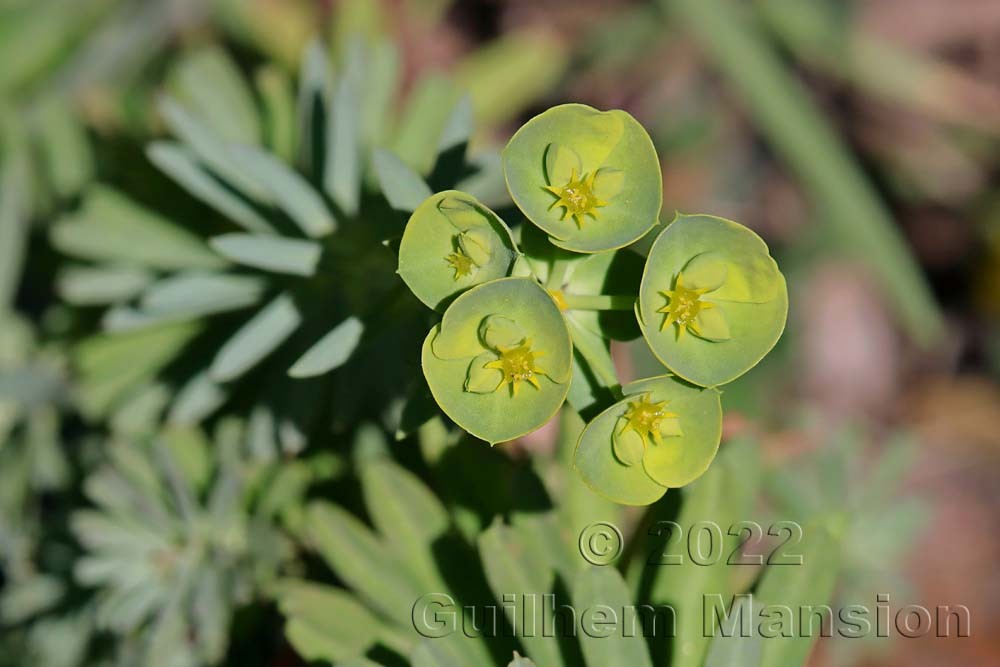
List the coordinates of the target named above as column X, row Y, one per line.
column 796, row 129
column 599, row 301
column 597, row 357
column 557, row 273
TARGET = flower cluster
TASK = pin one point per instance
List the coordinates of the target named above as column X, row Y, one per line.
column 527, row 315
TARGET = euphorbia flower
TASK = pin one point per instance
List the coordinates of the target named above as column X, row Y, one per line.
column 590, row 179
column 714, row 279
column 663, row 434
column 493, row 340
column 451, row 243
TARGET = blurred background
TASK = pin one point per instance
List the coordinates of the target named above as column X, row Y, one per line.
column 860, row 138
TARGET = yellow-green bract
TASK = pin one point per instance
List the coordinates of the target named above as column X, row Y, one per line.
column 712, row 301
column 499, row 362
column 590, row 179
column 663, row 434
column 451, row 243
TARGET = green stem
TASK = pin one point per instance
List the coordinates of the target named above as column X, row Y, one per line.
column 557, row 273
column 599, row 301
column 595, row 352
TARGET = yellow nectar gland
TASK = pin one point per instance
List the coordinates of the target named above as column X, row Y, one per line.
column 461, row 263
column 560, row 299
column 683, row 307
column 577, row 197
column 517, row 363
column 646, row 417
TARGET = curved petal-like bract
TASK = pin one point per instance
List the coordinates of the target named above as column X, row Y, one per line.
column 590, row 179
column 712, row 302
column 453, row 242
column 499, row 363
column 663, row 434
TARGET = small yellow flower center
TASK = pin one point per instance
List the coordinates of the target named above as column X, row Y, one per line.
column 683, row 306
column 645, row 417
column 577, row 197
column 517, row 363
column 461, row 263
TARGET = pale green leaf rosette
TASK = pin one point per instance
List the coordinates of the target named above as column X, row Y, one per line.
column 712, row 302
column 663, row 434
column 451, row 243
column 499, row 363
column 590, row 179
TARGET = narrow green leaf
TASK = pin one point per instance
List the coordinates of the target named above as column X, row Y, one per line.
column 189, row 451
column 359, row 662
column 261, row 435
column 65, row 147
column 290, row 191
column 550, row 538
column 362, row 562
column 271, row 253
column 443, row 652
column 186, row 296
column 193, row 294
column 587, row 395
column 298, row 403
column 326, row 623
column 111, row 227
column 36, row 36
column 208, row 82
column 62, row 641
column 111, row 365
column 409, row 516
column 116, row 539
column 276, row 92
column 520, row 661
column 720, row 496
column 182, row 165
column 486, row 183
column 598, row 589
column 23, row 599
column 809, row 584
column 314, row 92
column 211, row 614
column 343, row 170
column 579, row 506
column 510, row 73
column 120, row 319
column 135, row 465
column 331, row 351
column 211, row 149
column 595, row 352
column 256, row 339
column 738, row 650
column 14, row 210
column 196, row 400
column 140, row 413
column 87, row 286
column 380, row 86
column 459, row 126
column 403, row 188
column 423, row 120
column 513, row 567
